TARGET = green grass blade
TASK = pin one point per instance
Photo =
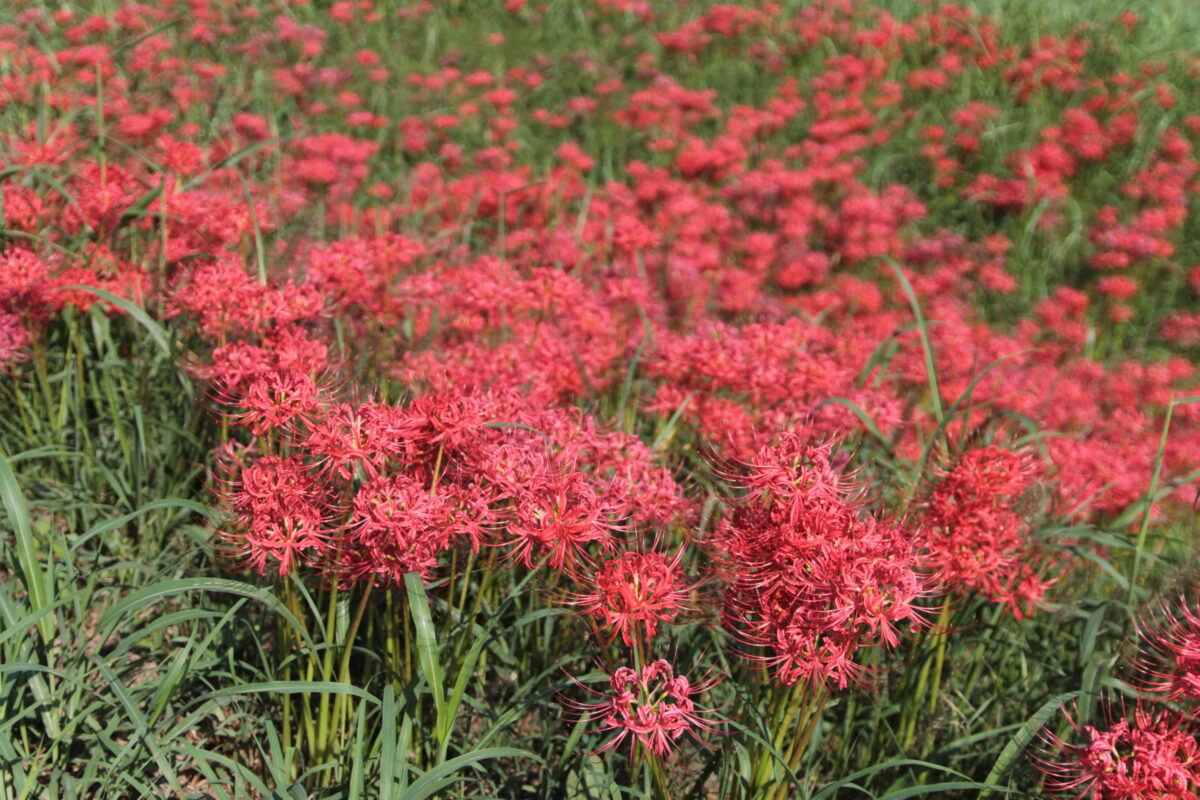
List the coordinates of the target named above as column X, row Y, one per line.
column 37, row 583
column 141, row 727
column 153, row 328
column 294, row 687
column 862, row 416
column 926, row 344
column 427, row 647
column 936, row 788
column 388, row 751
column 829, row 789
column 444, row 774
column 137, row 601
column 169, row 502
column 1017, row 744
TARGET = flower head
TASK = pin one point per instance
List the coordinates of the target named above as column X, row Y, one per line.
column 634, row 592
column 976, row 538
column 559, row 520
column 1168, row 662
column 813, row 575
column 280, row 515
column 1154, row 756
column 653, row 707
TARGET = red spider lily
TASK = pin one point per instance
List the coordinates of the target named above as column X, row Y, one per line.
column 813, row 576
column 13, row 341
column 653, row 707
column 1154, row 756
column 1168, row 661
column 975, row 536
column 366, row 436
column 273, row 400
column 397, row 526
column 559, row 520
column 281, row 515
column 633, row 593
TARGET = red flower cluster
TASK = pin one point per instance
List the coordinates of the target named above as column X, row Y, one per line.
column 1168, row 664
column 372, row 491
column 976, row 536
column 1154, row 756
column 653, row 707
column 813, row 575
column 631, row 594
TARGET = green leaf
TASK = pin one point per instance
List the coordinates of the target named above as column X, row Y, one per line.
column 168, row 502
column 827, row 790
column 627, row 385
column 294, row 687
column 141, row 728
column 926, row 344
column 153, row 328
column 139, row 599
column 952, row 786
column 37, row 583
column 388, row 750
column 1017, row 744
column 427, row 648
column 444, row 774
column 232, row 160
column 863, row 417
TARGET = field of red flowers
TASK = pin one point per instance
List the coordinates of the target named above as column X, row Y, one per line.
column 599, row 399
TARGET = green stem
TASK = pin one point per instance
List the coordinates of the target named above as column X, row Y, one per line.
column 323, row 733
column 450, row 594
column 785, row 704
column 981, row 650
column 908, row 718
column 943, row 624
column 1144, row 526
column 347, row 650
column 660, row 776
column 306, row 735
column 808, row 725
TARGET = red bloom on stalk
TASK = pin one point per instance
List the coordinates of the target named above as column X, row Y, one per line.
column 349, row 437
column 654, row 707
column 1154, row 756
column 634, row 592
column 1168, row 663
column 398, row 527
column 280, row 515
column 13, row 341
column 274, row 399
column 974, row 534
column 559, row 520
column 812, row 575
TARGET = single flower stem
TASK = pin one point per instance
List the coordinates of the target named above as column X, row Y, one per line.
column 437, row 468
column 323, row 731
column 785, row 704
column 306, row 734
column 908, row 723
column 341, row 701
column 660, row 776
column 392, row 635
column 450, row 594
column 285, row 649
column 813, row 708
column 943, row 623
